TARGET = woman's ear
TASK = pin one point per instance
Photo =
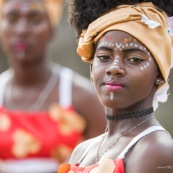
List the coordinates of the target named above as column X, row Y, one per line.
column 91, row 66
column 91, row 79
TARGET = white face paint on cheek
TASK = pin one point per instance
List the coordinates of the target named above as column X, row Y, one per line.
column 147, row 64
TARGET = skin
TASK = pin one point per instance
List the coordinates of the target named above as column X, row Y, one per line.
column 154, row 150
column 32, row 27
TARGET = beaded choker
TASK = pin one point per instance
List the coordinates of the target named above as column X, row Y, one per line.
column 130, row 115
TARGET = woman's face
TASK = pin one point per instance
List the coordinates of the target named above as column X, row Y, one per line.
column 123, row 72
column 25, row 30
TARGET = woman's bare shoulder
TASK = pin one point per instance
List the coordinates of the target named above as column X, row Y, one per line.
column 153, row 153
column 82, row 148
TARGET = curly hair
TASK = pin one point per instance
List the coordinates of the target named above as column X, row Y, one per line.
column 82, row 12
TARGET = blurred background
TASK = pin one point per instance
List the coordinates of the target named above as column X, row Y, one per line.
column 63, row 50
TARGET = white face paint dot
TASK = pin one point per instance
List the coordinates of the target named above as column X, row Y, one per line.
column 148, row 53
column 145, row 48
column 127, row 45
column 136, row 45
column 131, row 44
column 150, row 59
column 145, row 66
column 148, row 64
column 112, row 45
column 111, row 96
column 141, row 47
column 142, row 68
column 123, row 46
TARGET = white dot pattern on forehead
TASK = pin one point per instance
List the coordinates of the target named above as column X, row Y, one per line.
column 131, row 44
column 136, row 45
column 118, row 46
column 141, row 47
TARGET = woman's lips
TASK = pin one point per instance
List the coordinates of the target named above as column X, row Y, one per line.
column 20, row 46
column 113, row 87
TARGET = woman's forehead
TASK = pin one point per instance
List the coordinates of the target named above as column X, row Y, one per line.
column 120, row 40
column 118, row 36
column 23, row 5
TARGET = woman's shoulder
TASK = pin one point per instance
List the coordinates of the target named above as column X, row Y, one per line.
column 159, row 141
column 82, row 149
column 81, row 82
column 153, row 153
column 82, row 87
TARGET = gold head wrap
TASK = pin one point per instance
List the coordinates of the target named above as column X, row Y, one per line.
column 128, row 18
column 54, row 9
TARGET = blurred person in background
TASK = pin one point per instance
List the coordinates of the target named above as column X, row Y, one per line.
column 45, row 109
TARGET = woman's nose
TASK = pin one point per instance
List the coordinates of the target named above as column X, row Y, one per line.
column 115, row 69
column 22, row 27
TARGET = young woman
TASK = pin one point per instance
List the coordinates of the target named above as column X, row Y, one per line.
column 45, row 109
column 128, row 45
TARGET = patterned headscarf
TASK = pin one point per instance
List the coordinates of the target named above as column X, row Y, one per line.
column 54, row 9
column 143, row 21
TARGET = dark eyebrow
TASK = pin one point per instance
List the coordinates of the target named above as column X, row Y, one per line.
column 35, row 13
column 31, row 13
column 128, row 50
column 12, row 12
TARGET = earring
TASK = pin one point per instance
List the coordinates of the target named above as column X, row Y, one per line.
column 91, row 79
column 158, row 80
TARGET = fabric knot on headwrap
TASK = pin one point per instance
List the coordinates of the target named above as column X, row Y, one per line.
column 144, row 22
column 54, row 9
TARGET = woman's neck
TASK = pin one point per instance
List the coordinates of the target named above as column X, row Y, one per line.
column 30, row 74
column 121, row 126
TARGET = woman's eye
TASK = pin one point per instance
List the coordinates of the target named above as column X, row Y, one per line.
column 103, row 57
column 36, row 20
column 12, row 19
column 135, row 59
